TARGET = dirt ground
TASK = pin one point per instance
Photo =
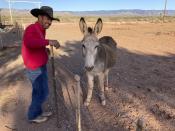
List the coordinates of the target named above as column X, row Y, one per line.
column 142, row 81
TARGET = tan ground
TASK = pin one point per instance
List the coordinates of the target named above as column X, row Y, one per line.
column 142, row 82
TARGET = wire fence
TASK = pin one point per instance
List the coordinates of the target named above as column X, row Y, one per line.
column 11, row 36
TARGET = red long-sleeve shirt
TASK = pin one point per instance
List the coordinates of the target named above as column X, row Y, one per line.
column 34, row 46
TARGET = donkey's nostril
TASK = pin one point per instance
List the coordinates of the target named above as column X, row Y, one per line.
column 89, row 68
column 92, row 67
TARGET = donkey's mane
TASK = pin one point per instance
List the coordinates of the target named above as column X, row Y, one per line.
column 90, row 30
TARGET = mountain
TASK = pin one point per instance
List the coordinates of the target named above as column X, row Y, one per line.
column 133, row 12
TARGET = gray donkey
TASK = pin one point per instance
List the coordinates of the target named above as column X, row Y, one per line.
column 99, row 56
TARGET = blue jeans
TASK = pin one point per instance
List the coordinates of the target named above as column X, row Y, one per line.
column 39, row 80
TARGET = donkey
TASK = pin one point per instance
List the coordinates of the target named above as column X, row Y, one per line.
column 99, row 56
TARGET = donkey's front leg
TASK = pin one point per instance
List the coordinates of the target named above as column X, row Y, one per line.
column 106, row 80
column 101, row 84
column 90, row 89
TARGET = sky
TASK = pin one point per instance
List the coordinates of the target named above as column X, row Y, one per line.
column 91, row 5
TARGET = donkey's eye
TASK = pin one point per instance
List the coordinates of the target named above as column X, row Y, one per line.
column 83, row 46
column 96, row 47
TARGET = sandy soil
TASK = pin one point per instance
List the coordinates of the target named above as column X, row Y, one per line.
column 142, row 81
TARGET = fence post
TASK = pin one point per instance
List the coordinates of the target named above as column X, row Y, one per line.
column 78, row 113
column 1, row 42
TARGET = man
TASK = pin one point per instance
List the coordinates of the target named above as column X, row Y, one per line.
column 35, row 57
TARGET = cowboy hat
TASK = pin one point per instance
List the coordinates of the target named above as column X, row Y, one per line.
column 44, row 10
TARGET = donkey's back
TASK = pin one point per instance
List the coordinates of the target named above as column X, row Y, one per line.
column 109, row 48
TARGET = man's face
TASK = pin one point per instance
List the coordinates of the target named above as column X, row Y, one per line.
column 45, row 21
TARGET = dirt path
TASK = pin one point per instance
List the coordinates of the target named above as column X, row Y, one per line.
column 16, row 92
column 141, row 88
column 142, row 82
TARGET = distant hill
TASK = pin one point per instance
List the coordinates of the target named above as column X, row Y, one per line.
column 134, row 12
column 121, row 13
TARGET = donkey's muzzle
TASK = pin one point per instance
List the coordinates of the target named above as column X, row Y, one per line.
column 89, row 68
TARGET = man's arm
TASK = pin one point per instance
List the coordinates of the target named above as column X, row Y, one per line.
column 31, row 41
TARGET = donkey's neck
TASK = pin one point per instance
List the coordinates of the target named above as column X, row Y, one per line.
column 101, row 55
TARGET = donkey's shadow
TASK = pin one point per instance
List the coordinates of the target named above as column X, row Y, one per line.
column 130, row 71
column 129, row 67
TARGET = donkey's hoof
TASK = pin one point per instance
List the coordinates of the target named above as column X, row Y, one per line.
column 86, row 103
column 103, row 102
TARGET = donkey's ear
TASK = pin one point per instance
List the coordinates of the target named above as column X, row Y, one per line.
column 83, row 25
column 98, row 26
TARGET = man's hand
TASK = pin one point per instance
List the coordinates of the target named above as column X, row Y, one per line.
column 48, row 51
column 54, row 43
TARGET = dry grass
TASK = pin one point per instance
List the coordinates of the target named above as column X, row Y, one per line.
column 75, row 19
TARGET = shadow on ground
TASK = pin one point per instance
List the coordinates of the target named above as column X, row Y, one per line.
column 136, row 74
